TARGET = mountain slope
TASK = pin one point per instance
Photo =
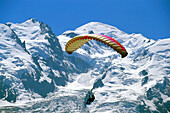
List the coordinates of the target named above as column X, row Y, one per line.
column 35, row 65
column 31, row 61
column 129, row 80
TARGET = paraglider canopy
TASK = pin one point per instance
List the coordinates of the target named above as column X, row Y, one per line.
column 78, row 41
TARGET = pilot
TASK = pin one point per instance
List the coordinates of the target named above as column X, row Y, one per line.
column 91, row 99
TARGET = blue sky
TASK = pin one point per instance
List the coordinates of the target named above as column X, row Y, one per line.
column 151, row 18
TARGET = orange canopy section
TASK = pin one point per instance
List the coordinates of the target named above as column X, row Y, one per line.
column 78, row 41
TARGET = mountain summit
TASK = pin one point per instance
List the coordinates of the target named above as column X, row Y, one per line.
column 37, row 74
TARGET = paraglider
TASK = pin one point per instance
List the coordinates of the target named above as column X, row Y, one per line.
column 78, row 41
column 89, row 97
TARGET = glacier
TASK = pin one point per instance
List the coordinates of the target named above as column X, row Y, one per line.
column 37, row 74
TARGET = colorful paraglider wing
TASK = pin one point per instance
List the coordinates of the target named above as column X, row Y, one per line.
column 78, row 41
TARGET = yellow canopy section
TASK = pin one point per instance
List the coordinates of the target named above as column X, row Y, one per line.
column 78, row 41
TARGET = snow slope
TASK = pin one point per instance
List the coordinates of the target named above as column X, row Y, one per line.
column 37, row 75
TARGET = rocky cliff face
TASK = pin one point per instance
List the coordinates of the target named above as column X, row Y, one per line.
column 36, row 74
column 31, row 60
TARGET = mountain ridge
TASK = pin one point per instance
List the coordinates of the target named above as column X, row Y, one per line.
column 120, row 85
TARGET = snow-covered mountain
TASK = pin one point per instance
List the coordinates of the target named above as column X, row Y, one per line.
column 37, row 75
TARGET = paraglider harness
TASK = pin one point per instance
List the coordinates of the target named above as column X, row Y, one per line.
column 90, row 99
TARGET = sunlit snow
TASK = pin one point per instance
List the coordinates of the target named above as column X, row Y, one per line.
column 37, row 75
